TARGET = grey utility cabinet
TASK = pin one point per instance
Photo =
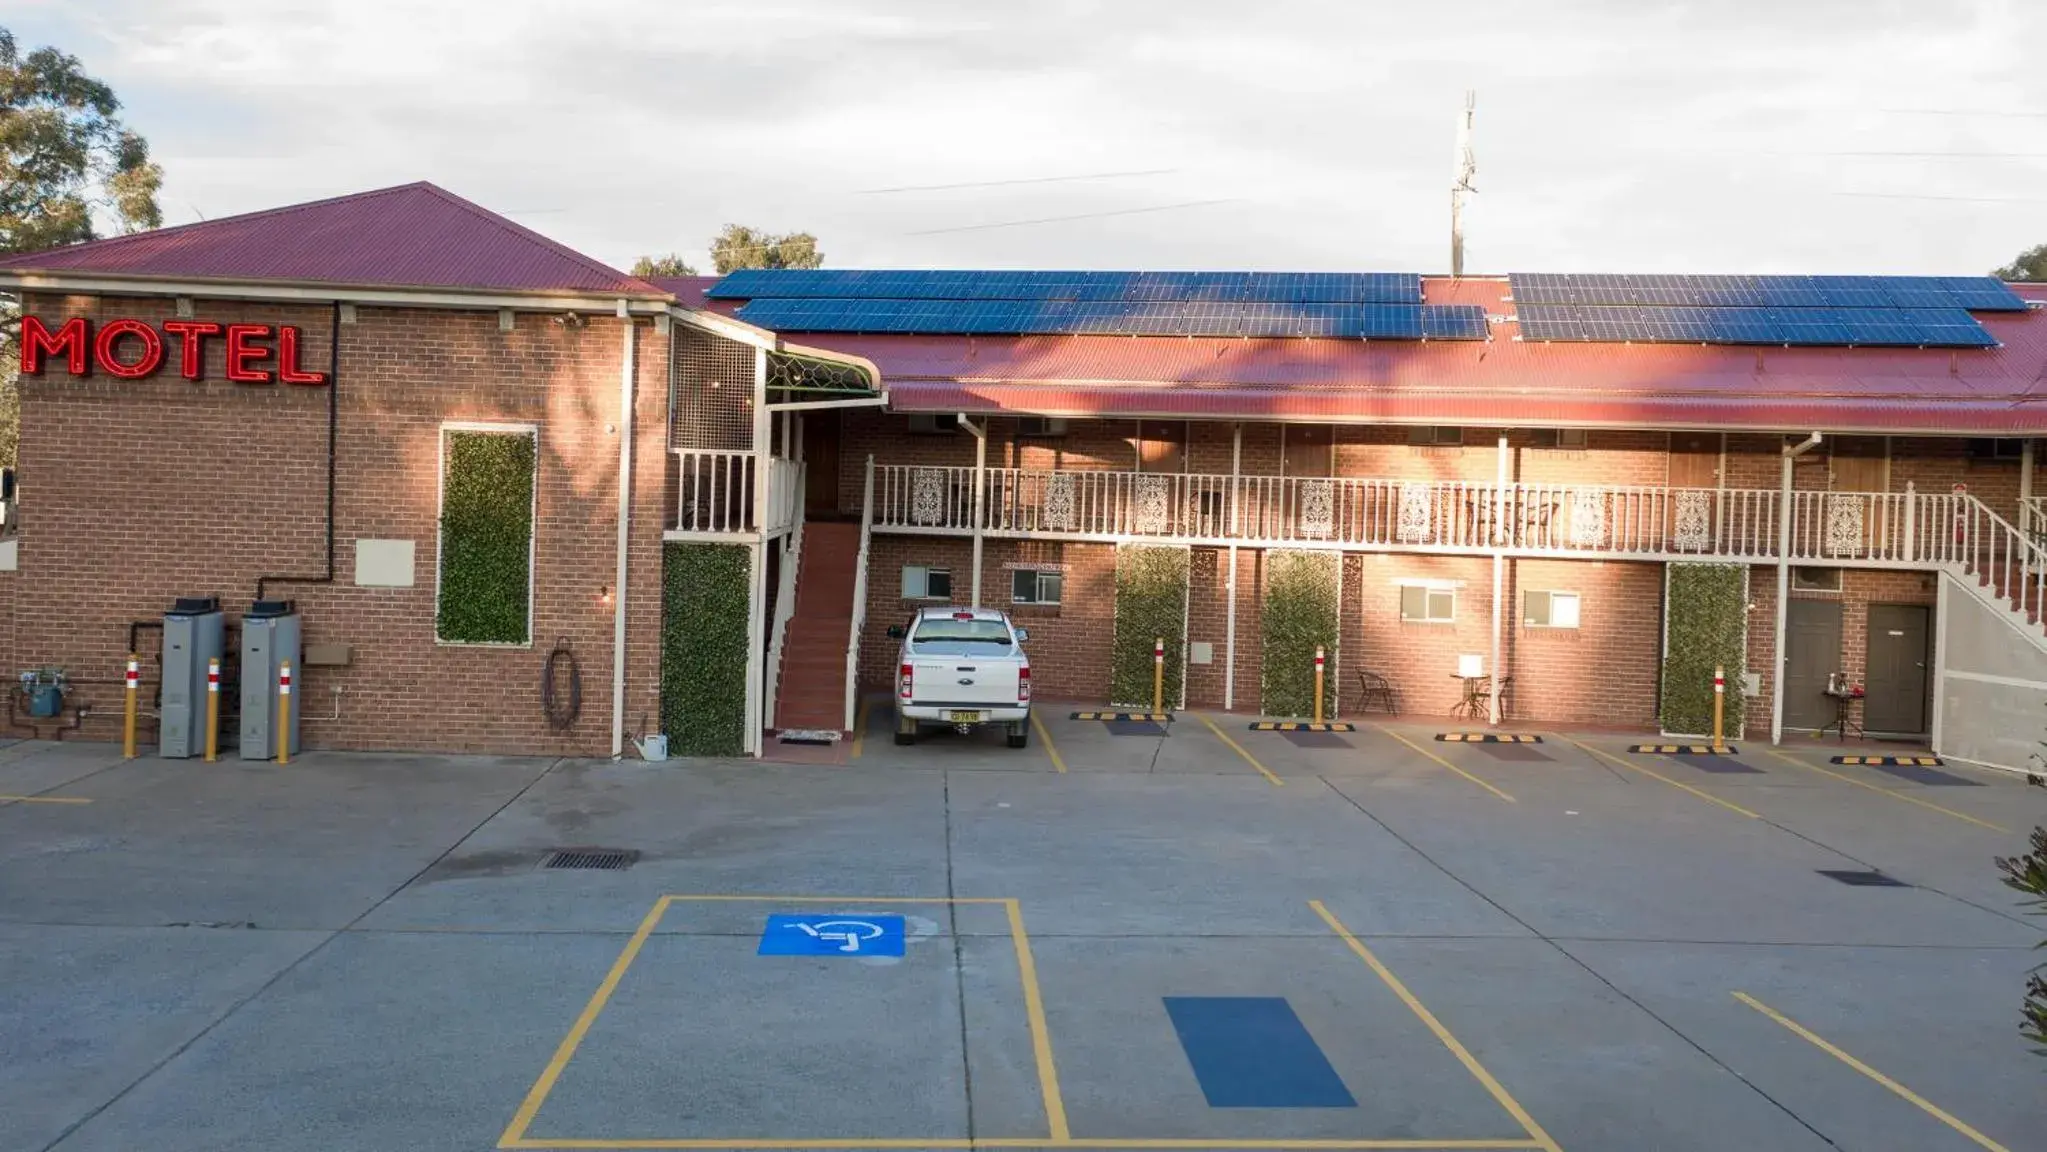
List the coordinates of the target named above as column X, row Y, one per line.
column 270, row 637
column 194, row 632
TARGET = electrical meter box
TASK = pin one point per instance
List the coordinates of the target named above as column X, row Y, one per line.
column 193, row 633
column 270, row 639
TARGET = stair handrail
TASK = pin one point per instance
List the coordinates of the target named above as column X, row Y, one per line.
column 859, row 595
column 1993, row 547
column 785, row 603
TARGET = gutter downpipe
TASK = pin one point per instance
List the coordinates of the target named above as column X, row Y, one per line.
column 1791, row 453
column 1230, row 617
column 625, row 522
column 980, row 494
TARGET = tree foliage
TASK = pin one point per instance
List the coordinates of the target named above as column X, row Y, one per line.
column 741, row 247
column 66, row 162
column 2029, row 265
column 670, row 265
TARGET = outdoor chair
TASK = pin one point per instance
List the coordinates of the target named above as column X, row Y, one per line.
column 1374, row 689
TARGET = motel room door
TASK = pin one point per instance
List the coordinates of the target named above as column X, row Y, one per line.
column 1896, row 678
column 1694, row 463
column 1812, row 647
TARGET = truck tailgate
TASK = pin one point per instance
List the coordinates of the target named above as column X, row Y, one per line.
column 963, row 681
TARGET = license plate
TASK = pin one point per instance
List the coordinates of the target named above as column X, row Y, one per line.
column 966, row 717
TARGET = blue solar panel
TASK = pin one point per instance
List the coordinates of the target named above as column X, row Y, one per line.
column 1810, row 326
column 1982, row 294
column 1549, row 321
column 1789, row 292
column 1947, row 327
column 1453, row 322
column 1915, row 291
column 1390, row 322
column 1852, row 291
column 1879, row 327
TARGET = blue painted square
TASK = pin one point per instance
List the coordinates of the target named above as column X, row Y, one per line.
column 1253, row 1052
column 832, row 934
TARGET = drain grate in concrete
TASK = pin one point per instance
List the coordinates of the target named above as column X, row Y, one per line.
column 603, row 859
column 1863, row 879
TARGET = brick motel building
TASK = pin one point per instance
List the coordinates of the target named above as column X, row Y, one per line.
column 523, row 502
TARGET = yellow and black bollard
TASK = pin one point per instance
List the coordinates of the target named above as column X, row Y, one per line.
column 134, row 681
column 1158, row 674
column 1318, row 684
column 212, row 709
column 284, row 712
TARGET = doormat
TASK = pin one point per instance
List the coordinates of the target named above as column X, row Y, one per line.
column 1153, row 717
column 807, row 736
column 1891, row 761
column 1299, row 726
column 1684, row 749
column 1487, row 738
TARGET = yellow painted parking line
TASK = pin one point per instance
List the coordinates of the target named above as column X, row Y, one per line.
column 1446, row 763
column 1041, row 1038
column 1731, row 807
column 860, row 728
column 1506, row 1100
column 1789, row 759
column 1269, row 774
column 1921, row 1102
column 1045, row 738
column 537, row 1095
column 44, row 800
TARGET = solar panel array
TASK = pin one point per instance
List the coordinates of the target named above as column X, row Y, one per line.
column 1829, row 311
column 1120, row 318
column 1080, row 287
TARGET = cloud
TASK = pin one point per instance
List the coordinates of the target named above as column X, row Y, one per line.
column 1611, row 136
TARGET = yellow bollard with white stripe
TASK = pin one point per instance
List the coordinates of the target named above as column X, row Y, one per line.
column 134, row 682
column 284, row 712
column 1318, row 683
column 1158, row 674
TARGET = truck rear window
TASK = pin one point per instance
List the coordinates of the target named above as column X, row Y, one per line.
column 961, row 631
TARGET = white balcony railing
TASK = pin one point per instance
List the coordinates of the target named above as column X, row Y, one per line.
column 715, row 492
column 1425, row 515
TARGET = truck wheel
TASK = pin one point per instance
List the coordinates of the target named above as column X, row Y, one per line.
column 1020, row 734
column 906, row 731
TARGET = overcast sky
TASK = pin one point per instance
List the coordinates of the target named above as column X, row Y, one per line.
column 1625, row 136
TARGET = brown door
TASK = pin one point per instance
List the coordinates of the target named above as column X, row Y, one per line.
column 1695, row 459
column 820, row 464
column 1308, row 450
column 1858, row 464
column 1161, row 445
column 1896, row 683
column 1812, row 650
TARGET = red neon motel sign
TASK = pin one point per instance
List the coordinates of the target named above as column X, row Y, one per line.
column 133, row 350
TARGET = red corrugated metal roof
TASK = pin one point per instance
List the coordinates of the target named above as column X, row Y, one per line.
column 411, row 236
column 1504, row 381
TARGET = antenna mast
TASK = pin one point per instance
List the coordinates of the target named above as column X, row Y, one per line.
column 1461, row 172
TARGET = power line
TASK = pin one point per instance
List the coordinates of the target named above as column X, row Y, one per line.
column 1020, row 180
column 1971, row 199
column 1076, row 216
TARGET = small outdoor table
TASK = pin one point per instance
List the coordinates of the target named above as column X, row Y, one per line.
column 1844, row 704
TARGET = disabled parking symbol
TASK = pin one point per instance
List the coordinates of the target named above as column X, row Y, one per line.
column 832, row 935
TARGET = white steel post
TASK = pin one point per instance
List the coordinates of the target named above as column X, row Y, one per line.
column 1791, row 454
column 1230, row 616
column 980, row 496
column 757, row 596
column 1499, row 575
column 625, row 524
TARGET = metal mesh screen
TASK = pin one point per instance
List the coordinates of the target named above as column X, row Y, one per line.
column 712, row 403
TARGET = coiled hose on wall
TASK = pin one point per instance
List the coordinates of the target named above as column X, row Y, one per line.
column 561, row 713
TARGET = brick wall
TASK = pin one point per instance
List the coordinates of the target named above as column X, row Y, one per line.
column 136, row 492
column 1860, row 588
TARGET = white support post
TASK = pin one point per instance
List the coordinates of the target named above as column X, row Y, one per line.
column 980, row 496
column 1230, row 616
column 1499, row 575
column 757, row 596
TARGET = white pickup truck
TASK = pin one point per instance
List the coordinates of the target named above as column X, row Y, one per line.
column 963, row 667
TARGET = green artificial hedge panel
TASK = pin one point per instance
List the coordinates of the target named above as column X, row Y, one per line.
column 1151, row 601
column 486, row 538
column 1706, row 624
column 1301, row 612
column 704, row 590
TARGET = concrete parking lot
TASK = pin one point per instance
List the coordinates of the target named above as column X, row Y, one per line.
column 1181, row 936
